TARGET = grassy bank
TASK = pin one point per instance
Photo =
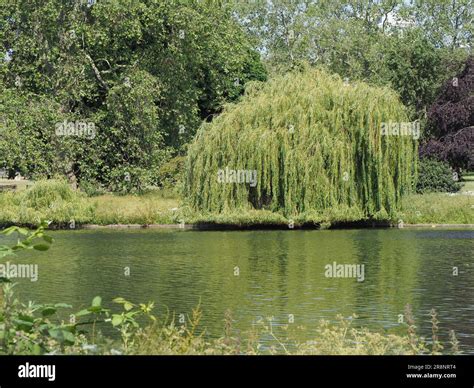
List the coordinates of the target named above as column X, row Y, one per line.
column 54, row 201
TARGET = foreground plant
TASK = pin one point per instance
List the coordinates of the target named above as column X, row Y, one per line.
column 41, row 328
column 38, row 329
column 27, row 240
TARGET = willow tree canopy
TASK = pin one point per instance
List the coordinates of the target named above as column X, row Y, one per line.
column 314, row 141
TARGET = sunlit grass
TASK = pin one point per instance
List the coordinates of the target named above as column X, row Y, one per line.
column 129, row 209
column 437, row 208
column 56, row 202
column 468, row 181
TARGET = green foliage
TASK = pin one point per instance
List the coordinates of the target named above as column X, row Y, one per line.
column 171, row 173
column 132, row 146
column 315, row 142
column 27, row 134
column 53, row 200
column 448, row 24
column 28, row 240
column 29, row 329
column 91, row 188
column 144, row 73
column 436, row 176
column 411, row 46
column 14, row 321
column 37, row 328
column 410, row 64
column 45, row 193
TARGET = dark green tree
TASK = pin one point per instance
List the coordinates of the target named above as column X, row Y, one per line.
column 145, row 73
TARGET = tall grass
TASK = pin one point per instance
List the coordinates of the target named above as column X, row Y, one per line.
column 437, row 208
column 52, row 200
column 47, row 193
column 152, row 208
column 315, row 143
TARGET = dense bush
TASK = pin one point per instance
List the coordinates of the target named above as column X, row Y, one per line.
column 434, row 175
column 44, row 194
column 52, row 200
column 28, row 144
column 92, row 188
column 413, row 46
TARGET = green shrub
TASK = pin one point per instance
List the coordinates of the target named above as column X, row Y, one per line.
column 435, row 176
column 45, row 193
column 52, row 200
column 436, row 208
column 92, row 188
column 171, row 173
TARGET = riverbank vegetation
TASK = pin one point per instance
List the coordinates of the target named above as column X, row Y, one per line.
column 250, row 114
column 55, row 201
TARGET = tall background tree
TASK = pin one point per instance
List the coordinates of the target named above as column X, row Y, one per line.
column 411, row 46
column 145, row 73
column 451, row 122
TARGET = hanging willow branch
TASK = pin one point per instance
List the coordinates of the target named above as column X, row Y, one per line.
column 315, row 142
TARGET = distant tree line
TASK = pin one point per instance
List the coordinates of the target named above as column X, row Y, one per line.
column 147, row 73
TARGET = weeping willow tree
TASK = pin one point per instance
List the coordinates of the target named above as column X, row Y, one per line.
column 315, row 142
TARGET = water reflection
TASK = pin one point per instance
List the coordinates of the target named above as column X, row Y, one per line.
column 280, row 274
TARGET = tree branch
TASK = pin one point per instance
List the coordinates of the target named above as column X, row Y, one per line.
column 96, row 71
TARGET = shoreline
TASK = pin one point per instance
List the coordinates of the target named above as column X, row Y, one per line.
column 230, row 227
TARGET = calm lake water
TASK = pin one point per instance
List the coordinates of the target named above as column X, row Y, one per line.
column 281, row 274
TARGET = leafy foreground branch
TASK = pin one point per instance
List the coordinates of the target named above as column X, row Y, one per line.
column 41, row 329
